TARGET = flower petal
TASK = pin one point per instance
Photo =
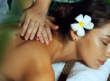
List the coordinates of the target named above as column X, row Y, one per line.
column 87, row 19
column 75, row 27
column 79, row 18
column 81, row 32
column 89, row 26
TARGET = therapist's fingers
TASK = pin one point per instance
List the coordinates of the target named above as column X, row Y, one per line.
column 34, row 31
column 41, row 39
column 45, row 37
column 29, row 29
column 48, row 32
column 25, row 26
column 40, row 28
column 37, row 38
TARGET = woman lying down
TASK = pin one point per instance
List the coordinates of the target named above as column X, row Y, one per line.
column 83, row 34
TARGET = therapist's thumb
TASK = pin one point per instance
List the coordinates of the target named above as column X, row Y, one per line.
column 53, row 26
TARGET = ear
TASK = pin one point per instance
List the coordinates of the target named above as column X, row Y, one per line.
column 74, row 35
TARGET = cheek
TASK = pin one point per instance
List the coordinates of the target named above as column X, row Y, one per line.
column 91, row 47
column 89, row 52
column 83, row 47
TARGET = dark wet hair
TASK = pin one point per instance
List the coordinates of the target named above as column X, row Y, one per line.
column 65, row 15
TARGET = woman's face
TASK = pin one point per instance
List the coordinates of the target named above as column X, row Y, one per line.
column 94, row 48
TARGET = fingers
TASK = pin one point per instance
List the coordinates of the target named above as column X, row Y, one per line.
column 25, row 26
column 51, row 21
column 29, row 30
column 43, row 37
column 37, row 38
column 48, row 30
column 41, row 25
column 54, row 27
column 33, row 22
column 34, row 31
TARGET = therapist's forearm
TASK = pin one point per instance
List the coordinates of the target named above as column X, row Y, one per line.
column 25, row 4
column 39, row 4
column 42, row 5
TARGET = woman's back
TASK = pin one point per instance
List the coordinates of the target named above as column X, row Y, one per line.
column 28, row 56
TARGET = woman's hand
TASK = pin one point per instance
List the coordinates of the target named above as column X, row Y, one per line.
column 46, row 35
column 32, row 21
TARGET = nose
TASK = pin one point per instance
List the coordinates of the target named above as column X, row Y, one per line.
column 107, row 55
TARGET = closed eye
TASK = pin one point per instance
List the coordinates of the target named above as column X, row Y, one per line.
column 104, row 43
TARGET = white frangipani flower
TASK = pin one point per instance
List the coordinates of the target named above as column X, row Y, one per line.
column 83, row 23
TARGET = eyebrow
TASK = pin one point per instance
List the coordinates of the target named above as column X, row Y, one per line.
column 107, row 35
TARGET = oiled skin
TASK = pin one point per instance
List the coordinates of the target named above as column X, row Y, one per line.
column 30, row 60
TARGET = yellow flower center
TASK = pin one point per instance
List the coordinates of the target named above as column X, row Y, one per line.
column 81, row 24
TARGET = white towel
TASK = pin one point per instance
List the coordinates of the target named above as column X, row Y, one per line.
column 58, row 67
column 81, row 72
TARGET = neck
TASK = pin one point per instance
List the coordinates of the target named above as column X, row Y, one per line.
column 67, row 49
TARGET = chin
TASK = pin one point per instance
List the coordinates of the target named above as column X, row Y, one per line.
column 95, row 67
column 92, row 66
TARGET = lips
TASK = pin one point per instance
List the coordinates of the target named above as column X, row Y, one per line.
column 101, row 62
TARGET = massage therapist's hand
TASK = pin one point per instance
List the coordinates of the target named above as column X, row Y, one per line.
column 46, row 34
column 32, row 20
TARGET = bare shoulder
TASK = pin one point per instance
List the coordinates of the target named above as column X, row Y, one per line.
column 23, row 60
